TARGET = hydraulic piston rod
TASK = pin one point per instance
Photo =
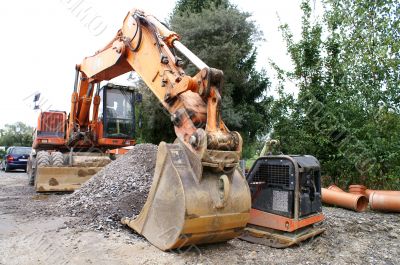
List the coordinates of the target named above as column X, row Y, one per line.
column 190, row 55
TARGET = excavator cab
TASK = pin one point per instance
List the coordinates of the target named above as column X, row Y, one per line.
column 117, row 112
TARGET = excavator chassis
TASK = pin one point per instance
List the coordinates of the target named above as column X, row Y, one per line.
column 190, row 204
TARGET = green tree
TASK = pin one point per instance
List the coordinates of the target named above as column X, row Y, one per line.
column 156, row 121
column 224, row 38
column 368, row 34
column 17, row 134
column 347, row 110
column 196, row 6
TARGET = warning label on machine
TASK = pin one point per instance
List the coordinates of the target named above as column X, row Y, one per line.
column 280, row 200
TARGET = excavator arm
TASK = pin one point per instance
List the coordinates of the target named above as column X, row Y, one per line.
column 146, row 46
column 197, row 195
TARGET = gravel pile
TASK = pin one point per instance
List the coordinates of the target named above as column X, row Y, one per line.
column 120, row 189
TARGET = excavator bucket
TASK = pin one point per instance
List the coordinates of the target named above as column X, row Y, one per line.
column 190, row 204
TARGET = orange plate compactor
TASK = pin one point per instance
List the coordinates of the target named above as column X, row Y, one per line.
column 286, row 200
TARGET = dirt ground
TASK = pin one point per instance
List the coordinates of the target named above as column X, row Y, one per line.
column 31, row 233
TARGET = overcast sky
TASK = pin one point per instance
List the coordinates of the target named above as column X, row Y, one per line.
column 43, row 40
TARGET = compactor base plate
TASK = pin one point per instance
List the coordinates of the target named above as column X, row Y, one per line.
column 280, row 239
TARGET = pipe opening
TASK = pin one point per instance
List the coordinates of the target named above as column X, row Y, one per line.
column 362, row 204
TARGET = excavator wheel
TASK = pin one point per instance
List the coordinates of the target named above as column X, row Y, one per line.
column 31, row 170
column 189, row 204
column 57, row 159
column 31, row 177
column 43, row 159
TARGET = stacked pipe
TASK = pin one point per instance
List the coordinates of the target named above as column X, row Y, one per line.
column 336, row 196
column 358, row 197
column 381, row 200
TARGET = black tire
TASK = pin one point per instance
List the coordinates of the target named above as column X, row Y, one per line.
column 7, row 168
column 31, row 171
column 57, row 159
column 43, row 159
column 32, row 177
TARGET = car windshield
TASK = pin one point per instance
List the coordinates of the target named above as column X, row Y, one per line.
column 21, row 151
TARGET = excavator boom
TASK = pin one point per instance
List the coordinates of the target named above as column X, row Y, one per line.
column 145, row 45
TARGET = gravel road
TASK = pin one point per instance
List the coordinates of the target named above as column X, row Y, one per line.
column 33, row 230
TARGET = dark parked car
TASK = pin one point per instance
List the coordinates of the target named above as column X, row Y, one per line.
column 16, row 158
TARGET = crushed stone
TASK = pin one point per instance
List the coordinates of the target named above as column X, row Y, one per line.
column 119, row 190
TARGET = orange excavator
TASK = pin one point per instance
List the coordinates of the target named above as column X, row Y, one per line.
column 68, row 150
column 198, row 194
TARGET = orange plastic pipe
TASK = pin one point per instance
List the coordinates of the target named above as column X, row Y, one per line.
column 335, row 188
column 362, row 190
column 385, row 202
column 358, row 203
column 357, row 189
column 368, row 192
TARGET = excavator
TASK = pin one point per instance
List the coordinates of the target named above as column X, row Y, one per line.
column 68, row 150
column 198, row 194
